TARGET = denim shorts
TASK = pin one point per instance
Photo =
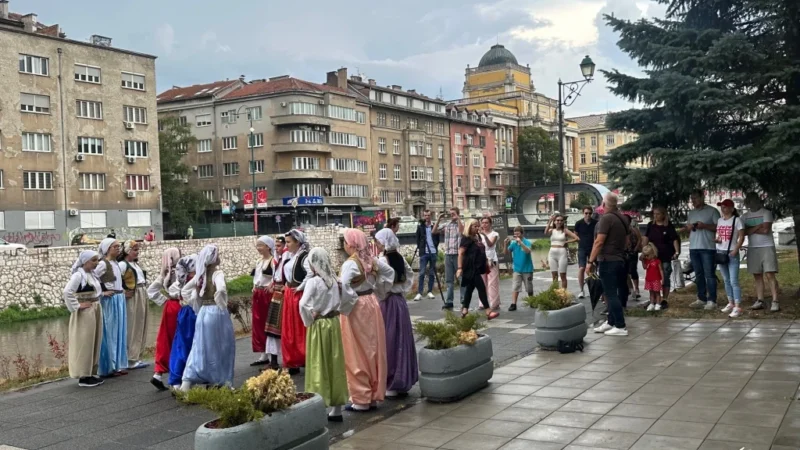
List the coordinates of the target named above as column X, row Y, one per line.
column 583, row 256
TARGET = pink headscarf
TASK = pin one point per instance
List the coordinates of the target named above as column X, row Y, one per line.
column 355, row 238
column 168, row 261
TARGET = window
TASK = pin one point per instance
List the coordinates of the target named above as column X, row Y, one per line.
column 429, row 174
column 429, row 150
column 583, row 158
column 361, row 117
column 441, row 151
column 89, row 110
column 583, row 142
column 398, row 197
column 395, row 121
column 132, row 81
column 482, row 141
column 307, row 190
column 594, row 157
column 37, row 181
column 137, row 182
column 346, row 139
column 305, row 163
column 469, row 139
column 440, row 128
column 92, row 182
column 510, row 136
column 2, row 220
column 594, row 141
column 136, row 149
column 382, row 145
column 134, row 114
column 381, row 119
column 609, row 139
column 476, row 182
column 459, row 182
column 93, row 219
column 303, row 108
column 429, row 126
column 458, row 159
column 36, row 65
column 40, row 220
column 307, row 136
column 228, row 116
column 347, row 165
column 415, row 148
column 205, row 171
column 34, row 103
column 429, row 197
column 36, row 142
column 417, row 173
column 472, row 203
column 90, row 146
column 458, row 138
column 253, row 113
column 204, row 146
column 441, row 175
column 511, row 155
column 203, row 120
column 382, row 169
column 362, row 142
column 230, row 169
column 209, row 195
column 384, row 196
column 258, row 164
column 476, row 160
column 412, row 123
column 139, row 218
column 229, row 143
column 484, row 203
column 349, row 190
column 396, row 147
column 340, row 112
column 397, row 172
column 229, row 193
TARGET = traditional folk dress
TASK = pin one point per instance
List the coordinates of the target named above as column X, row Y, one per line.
column 135, row 286
column 184, row 334
column 274, row 312
column 170, row 299
column 85, row 325
column 262, row 300
column 114, row 348
column 293, row 332
column 363, row 331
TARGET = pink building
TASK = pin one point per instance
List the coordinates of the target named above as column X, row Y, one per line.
column 472, row 142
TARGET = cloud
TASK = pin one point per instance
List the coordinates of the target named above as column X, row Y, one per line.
column 165, row 37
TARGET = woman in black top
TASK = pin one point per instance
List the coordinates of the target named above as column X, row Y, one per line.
column 472, row 264
column 661, row 233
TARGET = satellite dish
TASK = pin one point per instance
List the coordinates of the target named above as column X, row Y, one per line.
column 478, row 130
column 235, row 199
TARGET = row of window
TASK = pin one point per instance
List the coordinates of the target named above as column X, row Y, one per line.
column 384, row 196
column 583, row 158
column 336, row 190
column 86, row 109
column 43, row 181
column 469, row 139
column 347, row 139
column 408, row 102
column 41, row 142
column 610, row 140
column 411, row 123
column 416, row 171
column 332, row 111
column 484, row 202
column 231, row 116
column 476, row 182
column 230, row 169
column 476, row 160
column 46, row 220
column 39, row 65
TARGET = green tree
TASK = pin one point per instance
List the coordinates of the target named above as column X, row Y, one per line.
column 183, row 203
column 583, row 199
column 538, row 158
column 721, row 96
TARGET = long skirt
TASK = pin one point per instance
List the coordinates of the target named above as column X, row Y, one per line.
column 492, row 282
column 137, row 322
column 85, row 331
column 401, row 355
column 166, row 334
column 325, row 373
column 182, row 344
column 364, row 341
column 260, row 310
column 293, row 332
column 114, row 347
column 213, row 350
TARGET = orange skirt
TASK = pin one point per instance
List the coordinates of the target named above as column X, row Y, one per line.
column 364, row 340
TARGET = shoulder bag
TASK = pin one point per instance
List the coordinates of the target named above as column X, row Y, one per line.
column 723, row 258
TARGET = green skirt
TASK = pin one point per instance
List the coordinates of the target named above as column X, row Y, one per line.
column 325, row 374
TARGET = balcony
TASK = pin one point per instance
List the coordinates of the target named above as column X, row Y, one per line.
column 300, row 119
column 302, row 174
column 285, row 147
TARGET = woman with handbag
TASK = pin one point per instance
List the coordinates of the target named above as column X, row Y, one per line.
column 472, row 265
column 729, row 229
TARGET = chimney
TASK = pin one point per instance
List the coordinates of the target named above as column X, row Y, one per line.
column 371, row 82
column 3, row 9
column 397, row 87
column 412, row 91
column 341, row 75
column 101, row 41
column 356, row 78
column 241, row 78
column 332, row 79
column 29, row 20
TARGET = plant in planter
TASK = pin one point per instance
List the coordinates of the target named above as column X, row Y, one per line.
column 558, row 317
column 457, row 360
column 264, row 413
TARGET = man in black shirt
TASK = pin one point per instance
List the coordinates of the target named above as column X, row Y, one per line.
column 584, row 228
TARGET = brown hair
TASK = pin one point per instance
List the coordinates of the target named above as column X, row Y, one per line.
column 591, row 210
column 519, row 228
column 455, row 208
column 487, row 218
column 393, row 222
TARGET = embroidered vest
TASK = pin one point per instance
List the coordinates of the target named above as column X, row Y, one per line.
column 129, row 278
column 298, row 271
column 361, row 277
column 109, row 276
column 270, row 270
column 208, row 296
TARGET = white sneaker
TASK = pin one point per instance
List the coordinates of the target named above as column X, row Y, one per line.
column 603, row 328
column 658, row 307
column 617, row 332
column 775, row 307
column 710, row 306
column 651, row 307
column 418, row 297
column 728, row 308
column 697, row 304
column 431, row 296
column 581, row 295
column 736, row 313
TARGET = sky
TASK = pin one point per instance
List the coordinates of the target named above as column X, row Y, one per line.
column 422, row 45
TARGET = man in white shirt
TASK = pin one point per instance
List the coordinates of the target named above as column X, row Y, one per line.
column 702, row 226
column 762, row 257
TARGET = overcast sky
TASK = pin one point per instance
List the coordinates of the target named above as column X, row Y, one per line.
column 412, row 43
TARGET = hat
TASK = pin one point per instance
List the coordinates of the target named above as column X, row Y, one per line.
column 727, row 202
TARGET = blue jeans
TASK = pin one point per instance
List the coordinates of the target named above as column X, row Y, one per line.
column 705, row 275
column 450, row 268
column 614, row 277
column 730, row 275
column 427, row 265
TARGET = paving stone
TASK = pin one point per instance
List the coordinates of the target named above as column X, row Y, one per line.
column 558, row 392
column 606, row 439
column 523, row 444
column 742, row 433
column 500, row 428
column 389, row 433
column 525, row 415
column 548, row 433
column 643, row 411
column 696, row 430
column 470, row 441
column 429, row 437
column 571, row 419
column 722, row 445
column 623, row 424
column 588, row 407
column 653, row 442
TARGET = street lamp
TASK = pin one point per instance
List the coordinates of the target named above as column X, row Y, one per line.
column 567, row 98
column 252, row 165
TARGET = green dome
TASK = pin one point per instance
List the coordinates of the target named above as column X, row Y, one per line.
column 497, row 55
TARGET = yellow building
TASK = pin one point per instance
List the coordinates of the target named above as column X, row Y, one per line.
column 595, row 141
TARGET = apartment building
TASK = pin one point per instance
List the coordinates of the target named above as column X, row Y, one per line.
column 78, row 136
column 410, row 144
column 304, row 143
column 595, row 141
column 472, row 139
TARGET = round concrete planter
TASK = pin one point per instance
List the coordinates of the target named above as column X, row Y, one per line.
column 568, row 324
column 301, row 427
column 454, row 373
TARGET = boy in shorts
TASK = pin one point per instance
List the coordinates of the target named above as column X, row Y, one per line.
column 520, row 249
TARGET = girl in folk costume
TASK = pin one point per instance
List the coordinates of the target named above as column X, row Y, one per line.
column 166, row 292
column 296, row 270
column 114, row 349
column 184, row 334
column 401, row 355
column 134, row 283
column 213, row 351
column 267, row 345
column 82, row 296
column 363, row 331
column 319, row 308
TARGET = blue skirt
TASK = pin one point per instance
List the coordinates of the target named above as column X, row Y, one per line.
column 181, row 344
column 114, row 344
column 213, row 351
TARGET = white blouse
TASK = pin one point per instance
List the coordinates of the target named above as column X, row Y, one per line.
column 190, row 292
column 288, row 268
column 380, row 284
column 319, row 298
column 123, row 267
column 100, row 270
column 491, row 250
column 400, row 288
column 156, row 296
column 259, row 279
column 78, row 279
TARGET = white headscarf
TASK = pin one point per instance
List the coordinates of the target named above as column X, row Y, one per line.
column 208, row 255
column 269, row 242
column 388, row 239
column 185, row 265
column 300, row 237
column 321, row 265
column 105, row 245
column 83, row 258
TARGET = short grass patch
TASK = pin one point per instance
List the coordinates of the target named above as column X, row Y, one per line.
column 16, row 313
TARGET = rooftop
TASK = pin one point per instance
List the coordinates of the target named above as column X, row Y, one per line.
column 394, row 89
column 277, row 85
column 497, row 55
column 590, row 121
column 193, row 92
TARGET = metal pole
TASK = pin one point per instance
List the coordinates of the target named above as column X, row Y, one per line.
column 560, row 150
column 253, row 173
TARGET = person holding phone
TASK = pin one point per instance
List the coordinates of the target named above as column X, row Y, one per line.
column 452, row 238
column 702, row 226
column 520, row 249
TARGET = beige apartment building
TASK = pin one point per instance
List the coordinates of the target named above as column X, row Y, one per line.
column 594, row 142
column 78, row 136
column 310, row 144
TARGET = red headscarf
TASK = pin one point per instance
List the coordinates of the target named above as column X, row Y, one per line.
column 355, row 238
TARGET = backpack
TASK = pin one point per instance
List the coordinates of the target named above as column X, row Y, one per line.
column 570, row 346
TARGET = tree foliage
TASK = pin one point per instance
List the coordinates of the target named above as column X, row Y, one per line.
column 538, row 158
column 583, row 199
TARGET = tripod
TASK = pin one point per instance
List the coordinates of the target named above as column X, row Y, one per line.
column 435, row 273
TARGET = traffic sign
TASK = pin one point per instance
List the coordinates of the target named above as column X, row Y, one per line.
column 247, row 198
column 326, row 210
column 294, row 203
column 278, row 219
column 261, row 198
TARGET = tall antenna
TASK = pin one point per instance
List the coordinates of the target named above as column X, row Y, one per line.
column 441, row 94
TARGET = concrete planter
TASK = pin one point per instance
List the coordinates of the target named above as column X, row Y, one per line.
column 301, row 427
column 454, row 373
column 568, row 324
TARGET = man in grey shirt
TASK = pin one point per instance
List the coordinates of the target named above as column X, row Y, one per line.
column 702, row 226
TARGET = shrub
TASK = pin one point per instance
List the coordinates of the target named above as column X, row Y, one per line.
column 454, row 331
column 552, row 299
column 239, row 308
column 271, row 391
column 242, row 285
column 233, row 406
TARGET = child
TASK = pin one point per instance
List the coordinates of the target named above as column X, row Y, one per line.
column 653, row 277
column 520, row 249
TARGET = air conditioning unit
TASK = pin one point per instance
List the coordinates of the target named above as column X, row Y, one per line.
column 131, row 160
column 73, row 212
column 131, row 194
column 317, row 128
column 194, row 168
column 283, row 104
column 79, row 157
column 321, row 102
column 129, row 126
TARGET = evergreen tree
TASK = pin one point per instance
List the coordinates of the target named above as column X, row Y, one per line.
column 538, row 158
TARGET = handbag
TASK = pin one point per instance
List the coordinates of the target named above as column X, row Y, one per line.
column 723, row 258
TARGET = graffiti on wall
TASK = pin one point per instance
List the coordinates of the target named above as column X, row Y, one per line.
column 91, row 236
column 32, row 238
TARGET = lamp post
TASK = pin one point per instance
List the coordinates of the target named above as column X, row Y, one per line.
column 566, row 97
column 251, row 143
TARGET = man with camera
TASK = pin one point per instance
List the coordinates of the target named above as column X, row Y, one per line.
column 427, row 245
column 452, row 237
column 702, row 226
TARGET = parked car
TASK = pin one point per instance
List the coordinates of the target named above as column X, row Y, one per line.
column 83, row 239
column 8, row 247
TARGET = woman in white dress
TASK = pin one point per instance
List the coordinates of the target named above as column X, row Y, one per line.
column 134, row 283
column 82, row 297
column 267, row 345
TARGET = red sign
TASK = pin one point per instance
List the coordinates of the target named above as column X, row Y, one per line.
column 247, row 199
column 261, row 199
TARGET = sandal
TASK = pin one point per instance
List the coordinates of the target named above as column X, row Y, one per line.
column 492, row 315
column 464, row 314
